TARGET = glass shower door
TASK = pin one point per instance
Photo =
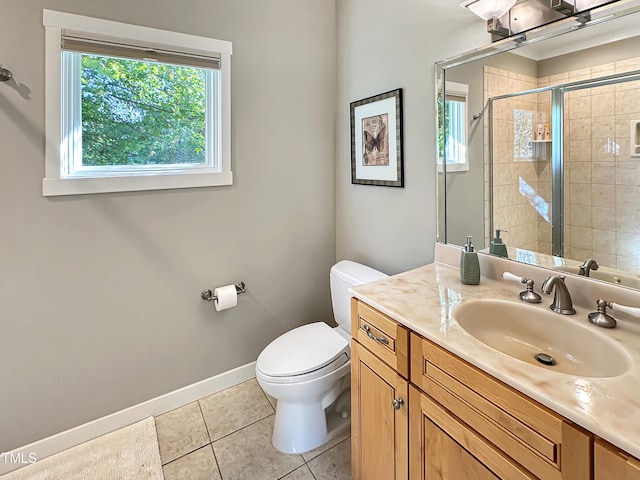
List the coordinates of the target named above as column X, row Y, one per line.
column 520, row 136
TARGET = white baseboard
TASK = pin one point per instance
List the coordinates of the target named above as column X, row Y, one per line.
column 154, row 407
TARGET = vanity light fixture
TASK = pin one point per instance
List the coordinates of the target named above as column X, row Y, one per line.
column 488, row 9
column 491, row 11
column 506, row 18
column 565, row 7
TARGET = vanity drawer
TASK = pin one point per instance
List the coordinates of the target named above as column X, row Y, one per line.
column 383, row 336
column 534, row 436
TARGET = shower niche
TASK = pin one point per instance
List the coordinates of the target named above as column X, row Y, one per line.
column 635, row 138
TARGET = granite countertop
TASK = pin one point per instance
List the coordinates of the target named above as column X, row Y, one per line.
column 423, row 300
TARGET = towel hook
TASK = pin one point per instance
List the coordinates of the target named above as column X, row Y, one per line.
column 5, row 75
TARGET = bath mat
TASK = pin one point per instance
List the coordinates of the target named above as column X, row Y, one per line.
column 130, row 453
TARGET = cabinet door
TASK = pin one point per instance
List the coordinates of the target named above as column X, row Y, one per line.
column 443, row 448
column 610, row 463
column 448, row 460
column 379, row 421
column 538, row 439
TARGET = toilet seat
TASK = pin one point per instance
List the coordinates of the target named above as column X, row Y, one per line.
column 302, row 354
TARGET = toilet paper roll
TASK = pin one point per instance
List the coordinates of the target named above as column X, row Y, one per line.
column 227, row 297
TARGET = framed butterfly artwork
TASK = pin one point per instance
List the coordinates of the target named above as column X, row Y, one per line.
column 376, row 140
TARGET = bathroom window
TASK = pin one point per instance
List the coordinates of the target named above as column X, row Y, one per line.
column 454, row 137
column 133, row 108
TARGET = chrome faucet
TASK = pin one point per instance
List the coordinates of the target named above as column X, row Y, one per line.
column 562, row 300
column 588, row 265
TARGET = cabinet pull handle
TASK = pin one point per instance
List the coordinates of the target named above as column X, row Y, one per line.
column 382, row 339
column 397, row 403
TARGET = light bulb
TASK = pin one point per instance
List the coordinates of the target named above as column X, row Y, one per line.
column 487, row 9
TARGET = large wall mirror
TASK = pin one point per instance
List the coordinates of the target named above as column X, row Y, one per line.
column 539, row 136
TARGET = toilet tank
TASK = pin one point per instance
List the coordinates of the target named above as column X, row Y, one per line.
column 344, row 275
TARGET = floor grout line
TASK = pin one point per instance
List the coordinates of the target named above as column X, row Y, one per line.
column 213, row 450
column 204, row 420
column 215, row 458
column 185, row 454
column 242, row 428
column 312, row 474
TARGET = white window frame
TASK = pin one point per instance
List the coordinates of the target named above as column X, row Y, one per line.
column 61, row 178
column 458, row 90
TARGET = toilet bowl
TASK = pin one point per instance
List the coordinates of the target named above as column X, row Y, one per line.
column 307, row 370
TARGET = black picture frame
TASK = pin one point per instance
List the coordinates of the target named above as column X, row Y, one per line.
column 376, row 140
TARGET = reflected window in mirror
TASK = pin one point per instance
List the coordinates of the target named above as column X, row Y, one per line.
column 453, row 139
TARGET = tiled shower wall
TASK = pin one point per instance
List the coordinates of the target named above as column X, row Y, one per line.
column 602, row 193
column 516, row 177
column 602, row 180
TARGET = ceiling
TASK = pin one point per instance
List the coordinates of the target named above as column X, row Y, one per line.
column 583, row 38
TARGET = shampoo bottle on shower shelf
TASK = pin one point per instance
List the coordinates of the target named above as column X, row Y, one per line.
column 469, row 265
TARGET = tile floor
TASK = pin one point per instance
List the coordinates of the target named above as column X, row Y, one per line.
column 227, row 436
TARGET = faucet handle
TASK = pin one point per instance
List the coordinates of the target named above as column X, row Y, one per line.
column 528, row 295
column 632, row 311
column 602, row 319
column 511, row 276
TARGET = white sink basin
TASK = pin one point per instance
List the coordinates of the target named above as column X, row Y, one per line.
column 606, row 275
column 523, row 331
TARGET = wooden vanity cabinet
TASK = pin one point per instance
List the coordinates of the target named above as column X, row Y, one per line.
column 493, row 426
column 379, row 396
column 611, row 463
column 420, row 412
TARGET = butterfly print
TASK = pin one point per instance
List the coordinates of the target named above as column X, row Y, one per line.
column 372, row 142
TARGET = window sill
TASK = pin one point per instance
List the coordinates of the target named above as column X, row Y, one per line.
column 454, row 167
column 52, row 187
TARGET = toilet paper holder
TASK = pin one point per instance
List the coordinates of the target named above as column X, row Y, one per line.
column 210, row 297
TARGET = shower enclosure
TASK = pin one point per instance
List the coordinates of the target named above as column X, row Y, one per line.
column 564, row 162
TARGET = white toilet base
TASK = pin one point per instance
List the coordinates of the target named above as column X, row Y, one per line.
column 301, row 428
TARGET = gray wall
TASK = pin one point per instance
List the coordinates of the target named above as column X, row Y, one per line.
column 384, row 45
column 465, row 190
column 100, row 295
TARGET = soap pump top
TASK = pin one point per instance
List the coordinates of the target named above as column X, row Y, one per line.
column 469, row 246
column 497, row 247
column 469, row 265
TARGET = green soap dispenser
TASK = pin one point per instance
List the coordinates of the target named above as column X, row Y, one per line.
column 497, row 247
column 469, row 265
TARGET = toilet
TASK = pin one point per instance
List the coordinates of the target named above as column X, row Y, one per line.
column 307, row 370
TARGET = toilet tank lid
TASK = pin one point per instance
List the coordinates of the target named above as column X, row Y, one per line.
column 355, row 273
column 302, row 350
